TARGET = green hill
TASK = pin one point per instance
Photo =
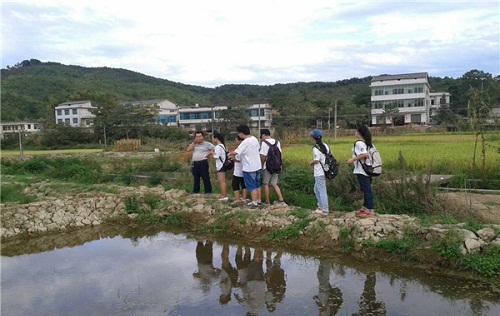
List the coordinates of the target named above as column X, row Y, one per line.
column 30, row 91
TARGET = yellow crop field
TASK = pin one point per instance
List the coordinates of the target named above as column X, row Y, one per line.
column 438, row 153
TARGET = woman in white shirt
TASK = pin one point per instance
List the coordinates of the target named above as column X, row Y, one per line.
column 359, row 154
column 319, row 158
column 220, row 157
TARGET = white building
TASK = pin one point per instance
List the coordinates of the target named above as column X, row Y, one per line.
column 74, row 113
column 410, row 94
column 19, row 126
column 195, row 117
column 260, row 115
column 168, row 113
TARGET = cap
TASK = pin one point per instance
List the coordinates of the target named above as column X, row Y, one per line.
column 316, row 133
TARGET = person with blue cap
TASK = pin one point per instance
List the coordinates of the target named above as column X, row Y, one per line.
column 318, row 161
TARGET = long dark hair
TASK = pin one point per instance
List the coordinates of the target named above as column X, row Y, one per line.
column 365, row 133
column 219, row 137
column 320, row 144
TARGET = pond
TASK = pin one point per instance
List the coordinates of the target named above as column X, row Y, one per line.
column 165, row 273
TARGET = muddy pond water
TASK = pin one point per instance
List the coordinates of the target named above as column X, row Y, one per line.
column 167, row 273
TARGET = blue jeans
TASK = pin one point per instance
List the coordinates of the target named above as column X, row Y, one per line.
column 320, row 191
column 252, row 180
column 365, row 183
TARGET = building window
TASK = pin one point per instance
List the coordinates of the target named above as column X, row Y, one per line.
column 75, row 120
column 59, row 112
column 59, row 121
column 75, row 111
column 66, row 112
column 416, row 118
column 66, row 121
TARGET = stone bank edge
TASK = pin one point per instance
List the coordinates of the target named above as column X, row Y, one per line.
column 60, row 214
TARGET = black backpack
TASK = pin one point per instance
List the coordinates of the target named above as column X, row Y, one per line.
column 227, row 164
column 331, row 166
column 273, row 158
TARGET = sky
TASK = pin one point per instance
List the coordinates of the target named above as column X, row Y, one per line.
column 264, row 42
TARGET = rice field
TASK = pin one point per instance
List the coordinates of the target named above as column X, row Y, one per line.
column 434, row 153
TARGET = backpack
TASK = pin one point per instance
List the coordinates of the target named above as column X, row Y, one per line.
column 273, row 158
column 331, row 166
column 227, row 164
column 373, row 164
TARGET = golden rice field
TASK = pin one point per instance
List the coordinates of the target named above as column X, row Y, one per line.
column 437, row 153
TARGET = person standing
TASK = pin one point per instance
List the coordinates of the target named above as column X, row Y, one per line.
column 359, row 154
column 220, row 157
column 267, row 177
column 319, row 159
column 199, row 164
column 248, row 152
column 238, row 181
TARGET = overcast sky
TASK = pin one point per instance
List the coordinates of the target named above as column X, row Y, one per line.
column 211, row 43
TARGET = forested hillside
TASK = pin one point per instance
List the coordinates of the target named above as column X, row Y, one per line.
column 31, row 89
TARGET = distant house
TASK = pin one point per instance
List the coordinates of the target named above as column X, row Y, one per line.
column 167, row 113
column 196, row 117
column 410, row 94
column 19, row 126
column 74, row 113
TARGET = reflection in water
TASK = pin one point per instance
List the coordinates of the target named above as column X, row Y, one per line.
column 368, row 304
column 206, row 271
column 329, row 299
column 152, row 274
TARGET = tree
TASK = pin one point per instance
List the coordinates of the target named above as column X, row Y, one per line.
column 354, row 116
column 231, row 117
column 389, row 111
column 479, row 108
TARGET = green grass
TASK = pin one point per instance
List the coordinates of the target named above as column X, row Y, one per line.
column 12, row 153
column 14, row 193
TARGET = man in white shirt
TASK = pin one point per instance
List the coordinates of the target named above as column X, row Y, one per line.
column 249, row 156
column 267, row 177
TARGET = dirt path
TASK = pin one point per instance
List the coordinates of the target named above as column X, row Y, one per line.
column 482, row 206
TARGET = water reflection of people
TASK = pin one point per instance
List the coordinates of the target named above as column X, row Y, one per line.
column 275, row 281
column 329, row 299
column 368, row 304
column 228, row 276
column 206, row 270
column 254, row 287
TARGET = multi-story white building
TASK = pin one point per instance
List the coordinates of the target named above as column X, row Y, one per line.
column 410, row 94
column 260, row 115
column 19, row 126
column 196, row 117
column 74, row 113
column 191, row 118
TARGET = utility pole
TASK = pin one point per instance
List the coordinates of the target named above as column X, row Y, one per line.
column 21, row 152
column 259, row 119
column 335, row 121
column 212, row 119
column 329, row 110
column 104, row 127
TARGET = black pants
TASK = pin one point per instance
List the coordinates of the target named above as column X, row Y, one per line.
column 200, row 170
